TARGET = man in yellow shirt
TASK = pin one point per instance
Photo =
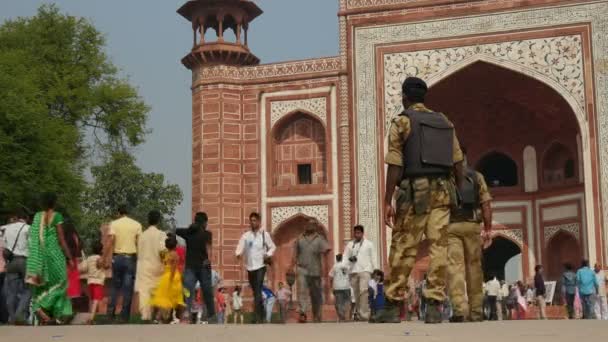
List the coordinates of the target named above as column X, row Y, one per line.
column 124, row 233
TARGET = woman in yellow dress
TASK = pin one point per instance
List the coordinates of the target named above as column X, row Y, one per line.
column 169, row 294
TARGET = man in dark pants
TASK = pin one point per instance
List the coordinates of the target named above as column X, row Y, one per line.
column 309, row 250
column 257, row 246
column 122, row 257
column 16, row 293
column 198, row 266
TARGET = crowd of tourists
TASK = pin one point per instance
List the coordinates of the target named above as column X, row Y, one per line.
column 581, row 292
column 44, row 262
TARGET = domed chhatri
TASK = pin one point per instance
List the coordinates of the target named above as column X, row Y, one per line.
column 219, row 15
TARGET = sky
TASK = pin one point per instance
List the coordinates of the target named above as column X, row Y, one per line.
column 146, row 39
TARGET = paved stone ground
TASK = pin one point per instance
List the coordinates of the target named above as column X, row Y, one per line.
column 512, row 331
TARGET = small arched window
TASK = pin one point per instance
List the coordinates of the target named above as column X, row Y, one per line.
column 498, row 169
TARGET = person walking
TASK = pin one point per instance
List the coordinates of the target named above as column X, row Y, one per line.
column 283, row 295
column 124, row 235
column 493, row 291
column 587, row 288
column 569, row 289
column 72, row 239
column 198, row 265
column 360, row 254
column 92, row 268
column 149, row 263
column 339, row 277
column 601, row 305
column 168, row 296
column 465, row 236
column 46, row 269
column 257, row 246
column 3, row 311
column 307, row 262
column 237, row 305
column 220, row 305
column 16, row 294
column 269, row 299
column 539, row 284
column 423, row 154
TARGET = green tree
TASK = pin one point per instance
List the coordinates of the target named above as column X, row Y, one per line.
column 120, row 181
column 58, row 88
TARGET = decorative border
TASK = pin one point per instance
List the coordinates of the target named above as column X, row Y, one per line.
column 366, row 39
column 516, row 235
column 282, row 214
column 315, row 105
column 240, row 75
column 557, row 58
column 572, row 228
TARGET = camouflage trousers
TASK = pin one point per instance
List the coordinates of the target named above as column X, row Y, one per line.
column 425, row 214
column 465, row 275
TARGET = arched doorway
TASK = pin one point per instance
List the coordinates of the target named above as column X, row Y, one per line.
column 495, row 108
column 495, row 258
column 562, row 248
column 284, row 236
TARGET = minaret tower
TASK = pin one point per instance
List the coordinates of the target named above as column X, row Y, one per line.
column 225, row 125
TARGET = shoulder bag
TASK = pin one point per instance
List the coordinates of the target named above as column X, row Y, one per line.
column 8, row 254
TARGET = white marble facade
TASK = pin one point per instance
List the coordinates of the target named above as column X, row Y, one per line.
column 556, row 61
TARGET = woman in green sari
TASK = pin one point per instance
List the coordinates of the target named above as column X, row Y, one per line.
column 46, row 264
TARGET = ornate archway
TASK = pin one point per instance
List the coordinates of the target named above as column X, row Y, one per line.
column 497, row 255
column 562, row 248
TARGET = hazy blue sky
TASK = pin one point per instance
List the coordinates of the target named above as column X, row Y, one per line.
column 147, row 38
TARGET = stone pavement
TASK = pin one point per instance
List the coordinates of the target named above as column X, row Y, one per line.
column 512, row 331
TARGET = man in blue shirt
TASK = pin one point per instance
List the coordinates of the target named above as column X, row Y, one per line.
column 569, row 288
column 587, row 288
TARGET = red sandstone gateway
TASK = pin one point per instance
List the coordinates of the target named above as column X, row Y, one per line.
column 307, row 138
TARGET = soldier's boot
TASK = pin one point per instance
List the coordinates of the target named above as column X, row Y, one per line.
column 390, row 312
column 476, row 317
column 457, row 319
column 433, row 313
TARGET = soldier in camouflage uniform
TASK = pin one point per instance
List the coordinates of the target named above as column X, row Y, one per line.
column 423, row 156
column 464, row 247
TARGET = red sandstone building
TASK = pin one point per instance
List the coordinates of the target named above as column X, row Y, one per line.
column 523, row 81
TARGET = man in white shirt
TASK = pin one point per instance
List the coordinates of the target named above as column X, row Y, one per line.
column 601, row 304
column 258, row 248
column 493, row 289
column 16, row 293
column 339, row 276
column 360, row 254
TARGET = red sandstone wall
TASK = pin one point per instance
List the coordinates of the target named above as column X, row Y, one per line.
column 225, row 175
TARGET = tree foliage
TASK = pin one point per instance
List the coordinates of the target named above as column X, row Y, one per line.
column 120, row 181
column 57, row 85
column 61, row 102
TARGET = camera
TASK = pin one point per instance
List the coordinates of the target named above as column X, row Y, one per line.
column 353, row 259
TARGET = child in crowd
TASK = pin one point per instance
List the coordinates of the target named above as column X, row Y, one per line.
column 169, row 294
column 95, row 273
column 196, row 311
column 237, row 304
column 73, row 242
column 220, row 305
column 378, row 299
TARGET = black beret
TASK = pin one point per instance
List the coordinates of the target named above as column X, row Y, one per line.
column 414, row 89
